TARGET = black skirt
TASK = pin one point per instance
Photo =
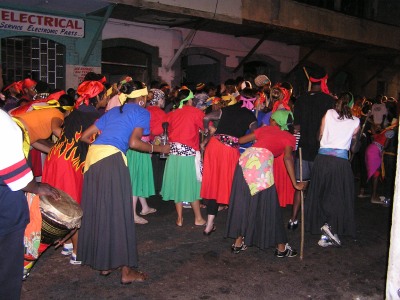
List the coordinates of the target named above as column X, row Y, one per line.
column 258, row 218
column 107, row 238
column 330, row 197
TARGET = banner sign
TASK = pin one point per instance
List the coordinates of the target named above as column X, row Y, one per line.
column 38, row 23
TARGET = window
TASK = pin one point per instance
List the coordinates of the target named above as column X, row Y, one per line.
column 33, row 57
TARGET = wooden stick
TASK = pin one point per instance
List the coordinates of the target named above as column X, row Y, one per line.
column 302, row 206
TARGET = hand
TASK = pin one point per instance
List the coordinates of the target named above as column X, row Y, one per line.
column 45, row 189
column 301, row 185
column 165, row 148
column 203, row 146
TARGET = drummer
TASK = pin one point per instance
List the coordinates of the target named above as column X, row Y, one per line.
column 15, row 178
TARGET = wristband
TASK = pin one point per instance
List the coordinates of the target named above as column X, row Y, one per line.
column 152, row 148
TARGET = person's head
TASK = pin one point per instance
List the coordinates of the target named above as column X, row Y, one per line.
column 89, row 92
column 165, row 88
column 342, row 105
column 283, row 119
column 133, row 92
column 230, row 86
column 287, row 85
column 29, row 88
column 263, row 82
column 66, row 103
column 200, row 87
column 318, row 79
column 157, row 98
column 71, row 92
column 184, row 97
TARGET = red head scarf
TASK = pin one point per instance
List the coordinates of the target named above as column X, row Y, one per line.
column 285, row 99
column 16, row 85
column 87, row 90
column 323, row 80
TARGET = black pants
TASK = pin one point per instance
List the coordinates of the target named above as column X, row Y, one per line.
column 212, row 206
column 11, row 264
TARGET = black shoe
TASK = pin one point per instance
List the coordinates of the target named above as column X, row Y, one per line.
column 237, row 250
column 212, row 230
column 292, row 225
column 289, row 252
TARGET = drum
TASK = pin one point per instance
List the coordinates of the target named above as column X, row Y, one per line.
column 58, row 217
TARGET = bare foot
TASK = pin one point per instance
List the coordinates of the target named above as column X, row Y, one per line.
column 128, row 276
column 140, row 220
column 200, row 222
column 179, row 222
column 149, row 211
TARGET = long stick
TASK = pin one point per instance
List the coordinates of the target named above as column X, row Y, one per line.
column 302, row 206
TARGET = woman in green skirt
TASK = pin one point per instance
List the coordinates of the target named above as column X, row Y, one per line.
column 141, row 171
column 182, row 176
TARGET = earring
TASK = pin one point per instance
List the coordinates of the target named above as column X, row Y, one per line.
column 141, row 103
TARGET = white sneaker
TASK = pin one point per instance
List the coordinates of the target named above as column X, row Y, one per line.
column 324, row 241
column 73, row 260
column 67, row 249
column 326, row 230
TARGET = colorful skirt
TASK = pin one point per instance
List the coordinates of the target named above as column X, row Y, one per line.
column 258, row 218
column 219, row 166
column 107, row 238
column 179, row 181
column 330, row 197
column 141, row 171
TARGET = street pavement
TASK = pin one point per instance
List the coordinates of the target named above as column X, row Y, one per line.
column 182, row 263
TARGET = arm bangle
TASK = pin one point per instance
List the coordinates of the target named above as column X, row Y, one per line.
column 152, row 148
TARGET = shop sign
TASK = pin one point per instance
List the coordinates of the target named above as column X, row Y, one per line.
column 37, row 23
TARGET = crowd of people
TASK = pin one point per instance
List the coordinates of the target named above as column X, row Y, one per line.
column 248, row 146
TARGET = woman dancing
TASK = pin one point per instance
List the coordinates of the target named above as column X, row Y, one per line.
column 107, row 238
column 330, row 199
column 254, row 216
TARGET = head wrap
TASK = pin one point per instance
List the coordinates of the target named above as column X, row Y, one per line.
column 134, row 94
column 28, row 83
column 200, row 86
column 213, row 100
column 16, row 85
column 323, row 80
column 261, row 80
column 351, row 102
column 229, row 99
column 246, row 84
column 284, row 99
column 248, row 102
column 52, row 102
column 157, row 96
column 190, row 96
column 281, row 118
column 87, row 90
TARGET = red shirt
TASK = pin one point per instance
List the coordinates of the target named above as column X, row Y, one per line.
column 184, row 126
column 274, row 139
column 157, row 117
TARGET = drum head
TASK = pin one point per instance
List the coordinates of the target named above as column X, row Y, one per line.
column 65, row 211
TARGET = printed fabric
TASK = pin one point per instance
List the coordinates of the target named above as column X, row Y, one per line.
column 184, row 150
column 257, row 167
column 228, row 140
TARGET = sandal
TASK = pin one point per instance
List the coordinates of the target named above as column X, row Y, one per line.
column 140, row 220
column 237, row 250
column 150, row 211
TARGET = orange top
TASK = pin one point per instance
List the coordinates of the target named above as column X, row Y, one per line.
column 38, row 122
